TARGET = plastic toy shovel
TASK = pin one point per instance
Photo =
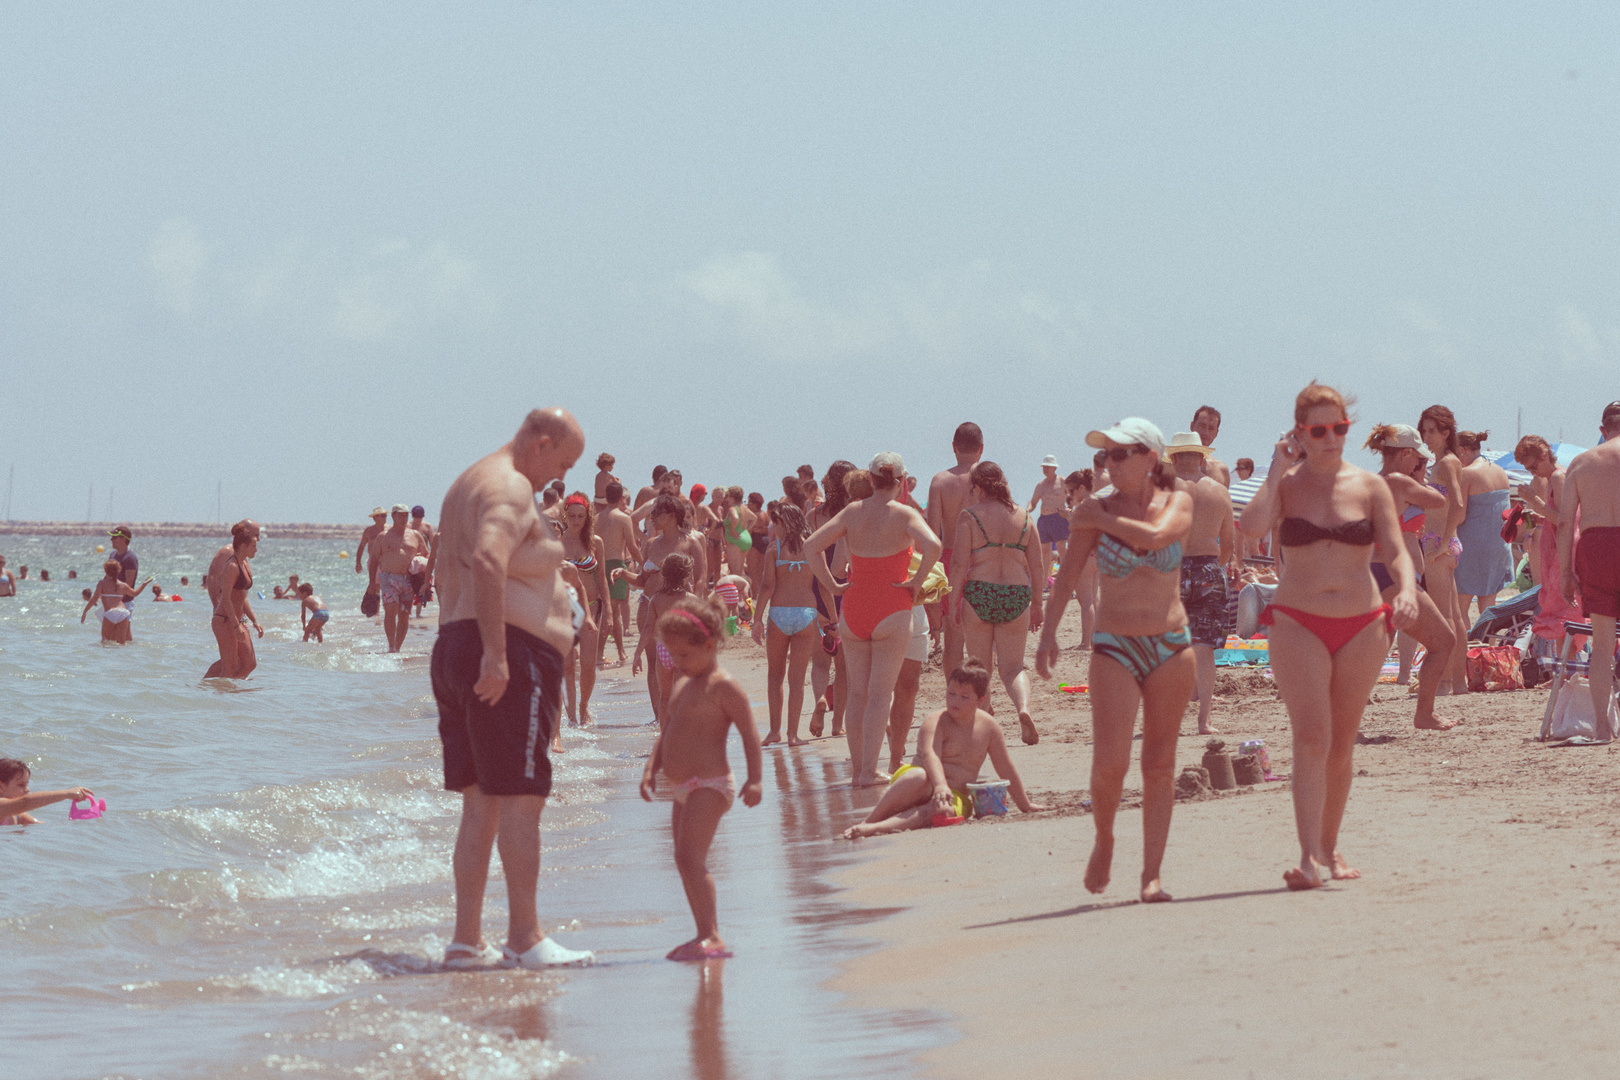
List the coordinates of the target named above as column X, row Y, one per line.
column 93, row 808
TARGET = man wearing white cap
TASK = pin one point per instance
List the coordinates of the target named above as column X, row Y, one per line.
column 1206, row 551
column 391, row 556
column 1053, row 522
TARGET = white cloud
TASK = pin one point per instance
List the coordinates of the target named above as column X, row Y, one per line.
column 177, row 257
column 947, row 317
column 393, row 290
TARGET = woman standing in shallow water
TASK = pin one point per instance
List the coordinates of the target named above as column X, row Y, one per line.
column 1330, row 629
column 1141, row 648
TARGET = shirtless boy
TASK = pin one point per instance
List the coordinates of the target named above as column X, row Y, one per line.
column 497, row 669
column 947, row 496
column 391, row 555
column 1592, row 490
column 951, row 748
column 1206, row 422
column 1207, row 550
column 1053, row 521
column 619, row 548
column 312, row 614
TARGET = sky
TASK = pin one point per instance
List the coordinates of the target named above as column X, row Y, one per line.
column 308, row 258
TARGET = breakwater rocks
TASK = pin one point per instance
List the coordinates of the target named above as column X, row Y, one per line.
column 298, row 530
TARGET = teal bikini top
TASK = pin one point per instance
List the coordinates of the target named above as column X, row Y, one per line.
column 797, row 564
column 1118, row 559
column 987, row 542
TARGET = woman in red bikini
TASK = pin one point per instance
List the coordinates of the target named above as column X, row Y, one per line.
column 1330, row 628
column 879, row 533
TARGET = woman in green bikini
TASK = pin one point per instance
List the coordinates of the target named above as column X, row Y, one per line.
column 991, row 588
column 1141, row 649
column 738, row 520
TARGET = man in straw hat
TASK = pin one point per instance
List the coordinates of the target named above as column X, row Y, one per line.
column 1206, row 551
column 1053, row 522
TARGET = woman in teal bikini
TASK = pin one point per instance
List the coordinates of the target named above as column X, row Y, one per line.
column 991, row 588
column 1141, row 649
column 793, row 635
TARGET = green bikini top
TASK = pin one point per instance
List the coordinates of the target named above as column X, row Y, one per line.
column 988, row 543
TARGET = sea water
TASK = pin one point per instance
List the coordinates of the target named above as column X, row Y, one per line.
column 269, row 892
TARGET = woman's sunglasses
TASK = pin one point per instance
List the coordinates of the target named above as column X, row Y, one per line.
column 1319, row 431
column 1120, row 453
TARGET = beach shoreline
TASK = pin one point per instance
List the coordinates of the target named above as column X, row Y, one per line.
column 301, row 530
column 1481, row 917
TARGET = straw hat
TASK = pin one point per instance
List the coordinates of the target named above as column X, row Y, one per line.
column 1186, row 442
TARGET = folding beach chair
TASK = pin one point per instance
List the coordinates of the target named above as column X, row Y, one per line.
column 1566, row 665
column 1505, row 623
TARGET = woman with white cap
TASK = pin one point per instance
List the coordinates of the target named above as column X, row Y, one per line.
column 879, row 533
column 1330, row 627
column 1403, row 449
column 1141, row 651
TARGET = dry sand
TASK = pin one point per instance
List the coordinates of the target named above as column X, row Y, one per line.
column 1477, row 943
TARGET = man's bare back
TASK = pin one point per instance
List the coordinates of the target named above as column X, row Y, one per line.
column 948, row 495
column 1593, row 481
column 1212, row 531
column 618, row 534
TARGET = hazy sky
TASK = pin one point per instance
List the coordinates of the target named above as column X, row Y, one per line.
column 327, row 255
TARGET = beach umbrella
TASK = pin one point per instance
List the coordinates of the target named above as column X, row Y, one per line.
column 1243, row 492
column 1563, row 452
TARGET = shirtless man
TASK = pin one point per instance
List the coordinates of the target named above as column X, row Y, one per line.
column 619, row 548
column 604, row 477
column 391, row 555
column 951, row 748
column 1207, row 550
column 652, row 490
column 1592, row 490
column 379, row 522
column 423, row 582
column 1053, row 521
column 504, row 627
column 947, row 496
column 1207, row 423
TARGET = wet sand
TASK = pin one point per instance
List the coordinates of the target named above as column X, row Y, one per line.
column 1480, row 941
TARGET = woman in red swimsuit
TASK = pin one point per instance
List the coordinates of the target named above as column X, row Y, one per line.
column 1330, row 629
column 879, row 533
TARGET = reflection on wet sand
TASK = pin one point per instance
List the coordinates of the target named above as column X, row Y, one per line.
column 708, row 1032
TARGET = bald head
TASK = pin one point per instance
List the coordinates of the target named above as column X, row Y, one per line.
column 555, row 424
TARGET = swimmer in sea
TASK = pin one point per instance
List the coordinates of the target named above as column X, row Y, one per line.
column 951, row 748
column 15, row 800
column 312, row 614
column 691, row 752
column 112, row 592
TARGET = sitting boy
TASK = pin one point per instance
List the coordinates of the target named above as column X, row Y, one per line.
column 951, row 748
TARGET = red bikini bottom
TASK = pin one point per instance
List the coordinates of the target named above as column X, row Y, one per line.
column 1334, row 633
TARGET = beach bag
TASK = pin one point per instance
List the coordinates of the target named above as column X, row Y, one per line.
column 1572, row 714
column 1494, row 667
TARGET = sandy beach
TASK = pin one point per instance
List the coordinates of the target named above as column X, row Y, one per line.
column 1475, row 945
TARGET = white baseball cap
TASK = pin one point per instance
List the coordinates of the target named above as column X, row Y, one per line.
column 1132, row 429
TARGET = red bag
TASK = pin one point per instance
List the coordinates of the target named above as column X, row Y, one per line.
column 1494, row 667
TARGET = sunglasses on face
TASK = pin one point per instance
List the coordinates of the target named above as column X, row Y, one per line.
column 1319, row 431
column 1120, row 453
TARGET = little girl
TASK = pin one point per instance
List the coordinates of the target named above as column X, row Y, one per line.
column 675, row 571
column 691, row 749
column 112, row 593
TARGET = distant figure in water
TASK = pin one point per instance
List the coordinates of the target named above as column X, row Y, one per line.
column 44, row 575
column 112, row 592
column 72, row 574
column 704, row 705
column 8, row 580
column 312, row 614
column 15, row 800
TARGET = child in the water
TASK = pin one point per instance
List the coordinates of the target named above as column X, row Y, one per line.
column 312, row 614
column 705, row 704
column 15, row 800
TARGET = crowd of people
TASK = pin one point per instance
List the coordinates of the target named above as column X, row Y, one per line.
column 850, row 581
